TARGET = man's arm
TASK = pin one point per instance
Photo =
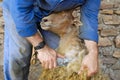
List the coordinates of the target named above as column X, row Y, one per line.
column 23, row 15
column 22, row 12
column 90, row 61
column 89, row 18
column 88, row 32
column 46, row 55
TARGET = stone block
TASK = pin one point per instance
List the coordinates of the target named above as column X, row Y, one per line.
column 1, row 21
column 107, row 11
column 1, row 36
column 116, row 54
column 109, row 32
column 111, row 20
column 104, row 42
column 109, row 60
column 0, row 11
column 107, row 19
column 105, row 5
column 117, row 41
column 116, row 66
column 116, row 4
column 117, row 12
column 1, row 30
column 1, row 14
column 100, row 20
column 100, row 28
column 115, row 75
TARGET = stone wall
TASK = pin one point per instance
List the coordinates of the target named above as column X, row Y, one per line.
column 109, row 38
column 1, row 37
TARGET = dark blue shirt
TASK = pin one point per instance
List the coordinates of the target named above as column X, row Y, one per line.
column 26, row 13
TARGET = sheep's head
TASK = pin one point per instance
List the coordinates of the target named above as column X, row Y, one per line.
column 59, row 22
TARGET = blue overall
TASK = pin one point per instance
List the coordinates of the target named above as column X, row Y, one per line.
column 21, row 18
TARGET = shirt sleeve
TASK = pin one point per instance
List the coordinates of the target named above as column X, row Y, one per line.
column 89, row 18
column 23, row 16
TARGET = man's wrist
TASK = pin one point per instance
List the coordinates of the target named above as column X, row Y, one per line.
column 40, row 45
column 92, row 47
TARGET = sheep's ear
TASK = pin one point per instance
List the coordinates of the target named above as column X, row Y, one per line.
column 75, row 13
column 77, row 23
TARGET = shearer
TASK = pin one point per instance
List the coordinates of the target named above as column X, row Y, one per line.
column 22, row 19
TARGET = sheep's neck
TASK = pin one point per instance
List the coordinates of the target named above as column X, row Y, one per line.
column 68, row 41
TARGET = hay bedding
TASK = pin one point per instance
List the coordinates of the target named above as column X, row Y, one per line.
column 71, row 35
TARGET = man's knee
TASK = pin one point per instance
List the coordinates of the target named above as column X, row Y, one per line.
column 19, row 69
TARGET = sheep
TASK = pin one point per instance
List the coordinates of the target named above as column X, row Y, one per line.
column 66, row 26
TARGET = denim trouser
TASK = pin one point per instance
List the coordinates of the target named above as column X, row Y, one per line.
column 17, row 50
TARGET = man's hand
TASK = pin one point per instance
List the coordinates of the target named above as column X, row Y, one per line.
column 90, row 61
column 48, row 57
